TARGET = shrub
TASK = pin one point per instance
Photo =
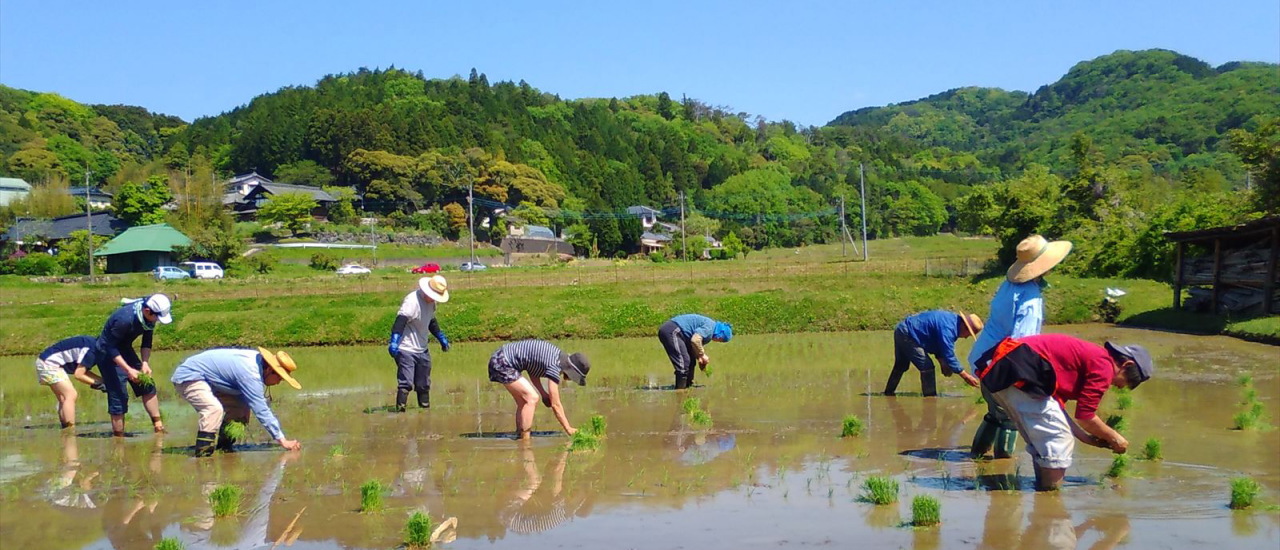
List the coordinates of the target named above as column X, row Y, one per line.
column 657, row 257
column 851, row 427
column 880, row 490
column 261, row 263
column 926, row 511
column 371, row 495
column 417, row 531
column 323, row 262
column 225, row 500
column 35, row 265
column 1243, row 491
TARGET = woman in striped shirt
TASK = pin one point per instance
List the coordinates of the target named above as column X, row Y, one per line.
column 540, row 360
column 64, row 360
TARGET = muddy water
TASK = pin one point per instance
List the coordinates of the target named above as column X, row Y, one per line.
column 769, row 471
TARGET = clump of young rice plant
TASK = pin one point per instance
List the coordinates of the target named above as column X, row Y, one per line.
column 371, row 495
column 584, row 441
column 596, row 425
column 691, row 404
column 926, row 511
column 1118, row 423
column 417, row 531
column 880, row 490
column 234, row 431
column 337, row 451
column 980, row 400
column 146, row 380
column 170, row 543
column 1151, row 450
column 225, row 500
column 1124, row 399
column 1243, row 491
column 851, row 426
column 700, row 418
column 1253, row 414
column 1119, row 467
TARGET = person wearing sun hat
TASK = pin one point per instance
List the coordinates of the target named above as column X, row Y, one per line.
column 541, row 360
column 414, row 321
column 226, row 385
column 118, row 364
column 684, row 338
column 1017, row 310
column 1032, row 378
column 931, row 332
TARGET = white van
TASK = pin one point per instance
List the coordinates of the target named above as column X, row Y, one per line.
column 203, row 270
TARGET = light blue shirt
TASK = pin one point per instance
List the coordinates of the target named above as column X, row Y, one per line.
column 692, row 323
column 1017, row 310
column 235, row 372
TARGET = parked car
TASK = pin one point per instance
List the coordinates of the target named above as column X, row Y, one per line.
column 473, row 266
column 203, row 270
column 353, row 269
column 426, row 268
column 166, row 272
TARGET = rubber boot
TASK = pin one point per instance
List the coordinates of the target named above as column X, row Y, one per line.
column 682, row 382
column 224, row 444
column 204, row 443
column 929, row 383
column 1005, row 442
column 983, row 439
column 891, row 385
column 402, row 397
column 424, row 399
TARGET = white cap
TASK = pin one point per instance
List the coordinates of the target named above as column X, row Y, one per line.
column 159, row 305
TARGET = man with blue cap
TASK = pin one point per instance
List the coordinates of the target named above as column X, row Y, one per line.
column 684, row 337
column 119, row 364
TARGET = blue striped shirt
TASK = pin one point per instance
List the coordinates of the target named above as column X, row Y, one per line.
column 235, row 372
column 539, row 358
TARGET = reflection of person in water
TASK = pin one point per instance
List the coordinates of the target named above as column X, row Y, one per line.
column 1051, row 528
column 700, row 447
column 63, row 490
column 131, row 520
column 253, row 533
column 539, row 504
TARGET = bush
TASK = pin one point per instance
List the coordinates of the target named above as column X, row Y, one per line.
column 261, row 263
column 35, row 264
column 657, row 257
column 323, row 262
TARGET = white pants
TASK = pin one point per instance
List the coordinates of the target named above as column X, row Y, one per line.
column 1043, row 425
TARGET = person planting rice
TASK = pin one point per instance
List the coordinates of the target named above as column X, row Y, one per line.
column 685, row 337
column 931, row 332
column 417, row 318
column 1017, row 310
column 64, row 360
column 119, row 364
column 225, row 385
column 1032, row 378
column 540, row 360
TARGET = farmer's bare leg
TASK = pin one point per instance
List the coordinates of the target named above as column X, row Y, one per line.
column 152, row 405
column 526, row 403
column 66, row 395
column 1049, row 479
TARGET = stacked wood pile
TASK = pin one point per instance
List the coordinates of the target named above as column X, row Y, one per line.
column 1242, row 277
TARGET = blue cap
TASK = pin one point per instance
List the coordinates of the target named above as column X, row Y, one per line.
column 722, row 332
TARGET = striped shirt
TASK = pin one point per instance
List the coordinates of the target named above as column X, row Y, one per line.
column 71, row 352
column 539, row 358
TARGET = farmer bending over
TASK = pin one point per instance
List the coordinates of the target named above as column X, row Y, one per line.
column 684, row 338
column 1033, row 377
column 225, row 384
column 57, row 364
column 417, row 317
column 932, row 332
column 119, row 364
column 540, row 360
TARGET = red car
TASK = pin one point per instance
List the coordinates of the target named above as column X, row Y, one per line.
column 427, row 268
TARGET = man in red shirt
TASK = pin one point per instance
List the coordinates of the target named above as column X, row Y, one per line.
column 1034, row 377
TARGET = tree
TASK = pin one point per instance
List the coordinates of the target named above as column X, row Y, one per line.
column 531, row 214
column 291, row 210
column 304, row 172
column 143, row 203
column 216, row 242
column 1260, row 149
column 73, row 252
column 733, row 246
column 580, row 236
column 457, row 216
column 35, row 165
column 342, row 211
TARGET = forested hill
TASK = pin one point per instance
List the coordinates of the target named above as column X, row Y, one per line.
column 1169, row 108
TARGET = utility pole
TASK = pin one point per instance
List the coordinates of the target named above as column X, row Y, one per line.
column 471, row 217
column 843, row 229
column 862, row 190
column 88, row 218
column 684, row 242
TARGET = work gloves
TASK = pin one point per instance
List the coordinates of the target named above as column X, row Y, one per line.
column 98, row 386
column 444, row 340
column 394, row 347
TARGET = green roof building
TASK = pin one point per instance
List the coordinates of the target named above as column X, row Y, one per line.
column 142, row 248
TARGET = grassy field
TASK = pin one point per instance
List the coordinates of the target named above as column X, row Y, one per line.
column 786, row 290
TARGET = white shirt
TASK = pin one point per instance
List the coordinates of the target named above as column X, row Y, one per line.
column 419, row 310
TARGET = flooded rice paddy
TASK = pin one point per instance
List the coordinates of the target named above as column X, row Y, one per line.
column 768, row 471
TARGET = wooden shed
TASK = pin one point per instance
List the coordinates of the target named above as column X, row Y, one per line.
column 1229, row 269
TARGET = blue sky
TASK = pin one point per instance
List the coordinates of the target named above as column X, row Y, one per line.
column 798, row 60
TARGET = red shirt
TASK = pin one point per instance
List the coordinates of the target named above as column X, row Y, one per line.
column 1083, row 369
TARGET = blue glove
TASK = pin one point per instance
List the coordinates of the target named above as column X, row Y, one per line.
column 394, row 347
column 444, row 340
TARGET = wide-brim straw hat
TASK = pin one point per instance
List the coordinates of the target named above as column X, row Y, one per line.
column 972, row 321
column 1036, row 256
column 435, row 287
column 282, row 364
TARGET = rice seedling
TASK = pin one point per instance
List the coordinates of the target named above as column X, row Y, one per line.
column 1124, row 401
column 980, row 400
column 1246, row 420
column 926, row 511
column 417, row 531
column 691, row 404
column 1151, row 450
column 851, row 427
column 1118, row 422
column 225, row 500
column 234, row 431
column 170, row 543
column 700, row 418
column 337, row 451
column 1245, row 380
column 583, row 441
column 1250, row 396
column 1119, row 467
column 596, row 426
column 371, row 495
column 146, row 380
column 880, row 490
column 1243, row 491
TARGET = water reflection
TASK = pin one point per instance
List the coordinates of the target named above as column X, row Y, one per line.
column 540, row 503
column 64, row 490
column 1049, row 525
column 246, row 531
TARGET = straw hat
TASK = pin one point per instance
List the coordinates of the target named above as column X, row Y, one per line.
column 973, row 322
column 1036, row 256
column 435, row 287
column 282, row 364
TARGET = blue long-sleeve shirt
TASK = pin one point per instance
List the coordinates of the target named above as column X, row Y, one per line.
column 121, row 329
column 692, row 323
column 234, row 372
column 1017, row 310
column 936, row 331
